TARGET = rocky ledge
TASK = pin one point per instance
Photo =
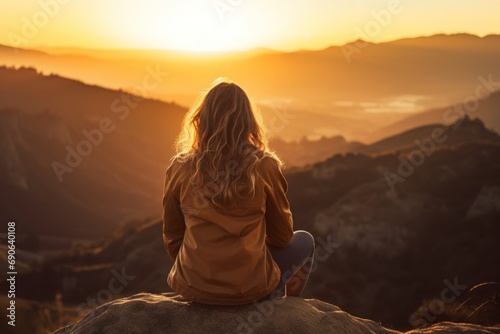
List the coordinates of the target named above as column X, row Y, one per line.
column 170, row 313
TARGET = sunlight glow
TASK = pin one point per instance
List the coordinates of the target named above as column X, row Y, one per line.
column 231, row 25
column 192, row 26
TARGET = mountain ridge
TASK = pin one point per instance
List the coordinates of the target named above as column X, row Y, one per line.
column 323, row 82
column 259, row 50
column 41, row 134
column 304, row 152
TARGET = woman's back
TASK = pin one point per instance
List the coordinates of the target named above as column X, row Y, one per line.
column 226, row 217
column 223, row 258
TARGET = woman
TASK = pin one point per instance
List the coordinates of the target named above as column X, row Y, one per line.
column 227, row 222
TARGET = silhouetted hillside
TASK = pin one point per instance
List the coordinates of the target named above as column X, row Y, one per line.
column 398, row 247
column 78, row 160
column 464, row 130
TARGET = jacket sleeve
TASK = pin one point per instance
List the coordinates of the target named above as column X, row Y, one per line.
column 173, row 218
column 279, row 221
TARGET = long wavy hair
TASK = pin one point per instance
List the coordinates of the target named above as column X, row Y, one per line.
column 222, row 140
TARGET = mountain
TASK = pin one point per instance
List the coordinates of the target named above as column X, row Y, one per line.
column 324, row 75
column 305, row 151
column 488, row 109
column 377, row 85
column 78, row 160
column 401, row 242
column 465, row 130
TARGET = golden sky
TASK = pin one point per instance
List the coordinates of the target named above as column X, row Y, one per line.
column 221, row 25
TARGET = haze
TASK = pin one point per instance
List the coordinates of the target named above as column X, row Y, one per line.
column 224, row 25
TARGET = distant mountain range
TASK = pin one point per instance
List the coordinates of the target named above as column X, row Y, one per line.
column 382, row 84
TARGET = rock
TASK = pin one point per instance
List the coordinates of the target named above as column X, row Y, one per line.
column 450, row 327
column 170, row 313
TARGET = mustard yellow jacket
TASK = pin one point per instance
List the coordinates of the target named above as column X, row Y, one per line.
column 220, row 256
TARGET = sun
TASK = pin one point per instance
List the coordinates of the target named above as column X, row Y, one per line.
column 208, row 26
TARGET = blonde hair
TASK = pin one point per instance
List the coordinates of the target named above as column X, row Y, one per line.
column 222, row 140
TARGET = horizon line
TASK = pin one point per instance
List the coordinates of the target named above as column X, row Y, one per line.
column 261, row 49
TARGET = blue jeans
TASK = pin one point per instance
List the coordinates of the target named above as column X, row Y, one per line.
column 297, row 256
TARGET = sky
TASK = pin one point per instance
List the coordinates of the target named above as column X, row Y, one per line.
column 229, row 25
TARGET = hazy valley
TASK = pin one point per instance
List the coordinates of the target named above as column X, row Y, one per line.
column 328, row 92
